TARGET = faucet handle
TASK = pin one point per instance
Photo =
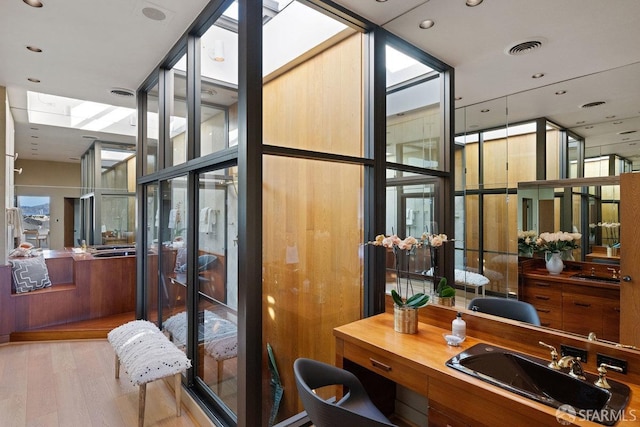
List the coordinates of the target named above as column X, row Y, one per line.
column 554, row 355
column 602, row 375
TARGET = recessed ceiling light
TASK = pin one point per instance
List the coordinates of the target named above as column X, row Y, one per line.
column 561, row 92
column 34, row 49
column 33, row 3
column 154, row 14
column 537, row 75
column 473, row 3
column 426, row 24
column 33, row 80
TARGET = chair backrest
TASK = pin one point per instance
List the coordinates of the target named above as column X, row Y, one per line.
column 354, row 410
column 505, row 307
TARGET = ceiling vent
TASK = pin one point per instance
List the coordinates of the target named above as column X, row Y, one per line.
column 522, row 48
column 592, row 104
column 121, row 92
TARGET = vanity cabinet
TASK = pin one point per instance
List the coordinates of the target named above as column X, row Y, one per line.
column 575, row 306
column 546, row 297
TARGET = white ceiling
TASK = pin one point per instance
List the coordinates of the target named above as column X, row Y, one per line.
column 590, row 49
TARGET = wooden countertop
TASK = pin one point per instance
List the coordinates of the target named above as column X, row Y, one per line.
column 426, row 352
column 566, row 277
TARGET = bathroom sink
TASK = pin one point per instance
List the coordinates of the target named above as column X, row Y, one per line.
column 114, row 253
column 586, row 276
column 530, row 377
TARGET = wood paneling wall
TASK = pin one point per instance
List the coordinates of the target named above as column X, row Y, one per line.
column 312, row 211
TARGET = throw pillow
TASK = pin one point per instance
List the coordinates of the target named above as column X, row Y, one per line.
column 29, row 274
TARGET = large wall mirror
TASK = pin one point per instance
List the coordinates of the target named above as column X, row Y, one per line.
column 590, row 139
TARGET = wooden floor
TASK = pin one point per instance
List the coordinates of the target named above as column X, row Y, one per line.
column 72, row 384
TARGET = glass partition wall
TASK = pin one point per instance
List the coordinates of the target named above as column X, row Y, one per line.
column 108, row 209
column 257, row 185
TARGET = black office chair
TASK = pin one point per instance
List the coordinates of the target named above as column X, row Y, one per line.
column 355, row 409
column 504, row 307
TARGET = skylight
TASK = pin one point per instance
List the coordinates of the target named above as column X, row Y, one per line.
column 401, row 67
column 53, row 110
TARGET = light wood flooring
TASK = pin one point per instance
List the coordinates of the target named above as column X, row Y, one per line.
column 72, row 384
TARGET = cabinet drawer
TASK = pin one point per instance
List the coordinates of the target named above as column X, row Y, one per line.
column 582, row 314
column 538, row 287
column 388, row 368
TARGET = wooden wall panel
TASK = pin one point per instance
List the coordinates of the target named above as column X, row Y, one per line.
column 629, row 266
column 312, row 211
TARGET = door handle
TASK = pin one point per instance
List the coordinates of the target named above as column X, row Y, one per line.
column 626, row 278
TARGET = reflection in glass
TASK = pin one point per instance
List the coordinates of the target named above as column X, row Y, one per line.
column 172, row 223
column 414, row 133
column 150, row 248
column 177, row 108
column 219, row 86
column 218, row 283
column 151, row 143
column 412, row 210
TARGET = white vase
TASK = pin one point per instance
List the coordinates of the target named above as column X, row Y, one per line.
column 554, row 262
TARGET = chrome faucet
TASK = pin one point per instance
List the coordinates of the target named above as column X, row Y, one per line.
column 574, row 365
column 554, row 356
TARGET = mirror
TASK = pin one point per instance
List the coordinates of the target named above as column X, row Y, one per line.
column 589, row 206
column 603, row 137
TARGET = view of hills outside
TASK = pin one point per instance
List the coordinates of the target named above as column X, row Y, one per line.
column 35, row 212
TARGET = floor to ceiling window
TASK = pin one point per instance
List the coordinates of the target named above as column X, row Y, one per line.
column 417, row 168
column 224, row 294
column 312, row 205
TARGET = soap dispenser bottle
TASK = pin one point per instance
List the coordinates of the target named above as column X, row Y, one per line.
column 459, row 326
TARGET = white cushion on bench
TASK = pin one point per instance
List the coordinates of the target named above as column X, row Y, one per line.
column 145, row 353
column 220, row 335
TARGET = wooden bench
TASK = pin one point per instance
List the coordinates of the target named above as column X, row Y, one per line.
column 147, row 355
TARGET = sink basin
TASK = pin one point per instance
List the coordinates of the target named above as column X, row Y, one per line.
column 531, row 377
column 586, row 276
column 114, row 253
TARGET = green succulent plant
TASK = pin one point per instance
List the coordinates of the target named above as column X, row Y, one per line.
column 444, row 290
column 416, row 301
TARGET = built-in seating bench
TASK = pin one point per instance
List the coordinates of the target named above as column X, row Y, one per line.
column 147, row 355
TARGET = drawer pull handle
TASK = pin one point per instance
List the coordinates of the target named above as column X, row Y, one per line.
column 582, row 304
column 543, row 285
column 542, row 297
column 543, row 310
column 379, row 365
